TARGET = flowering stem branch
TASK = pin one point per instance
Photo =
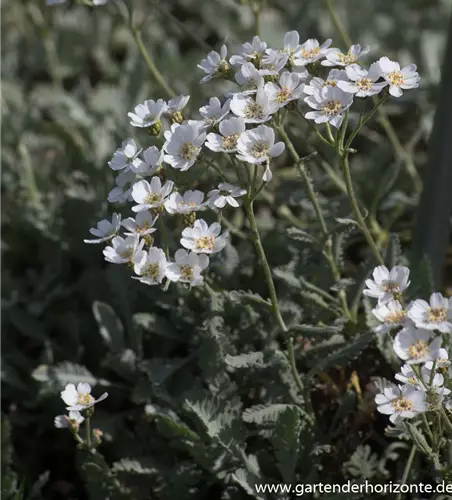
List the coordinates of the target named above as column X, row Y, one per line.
column 356, row 211
column 88, row 431
column 158, row 77
column 407, row 469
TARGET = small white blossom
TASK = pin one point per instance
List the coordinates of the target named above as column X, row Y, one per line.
column 287, row 89
column 363, row 82
column 249, row 79
column 253, row 109
column 214, row 112
column 152, row 160
column 191, row 201
column 202, row 238
column 150, row 195
column 391, row 314
column 415, row 345
column 401, row 402
column 105, row 230
column 183, row 146
column 398, row 79
column 150, row 266
column 124, row 156
column 387, row 284
column 273, row 62
column 434, row 316
column 441, row 360
column 147, row 113
column 123, row 190
column 80, row 398
column 214, row 64
column 249, row 51
column 335, row 57
column 141, row 225
column 258, row 145
column 310, row 51
column 230, row 131
column 226, row 194
column 329, row 105
column 408, row 376
column 187, row 267
column 64, row 421
column 177, row 104
column 291, row 47
column 122, row 250
column 316, row 84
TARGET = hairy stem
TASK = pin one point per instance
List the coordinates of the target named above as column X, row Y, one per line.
column 407, row 469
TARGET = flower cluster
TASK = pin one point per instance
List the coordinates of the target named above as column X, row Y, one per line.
column 423, row 379
column 240, row 127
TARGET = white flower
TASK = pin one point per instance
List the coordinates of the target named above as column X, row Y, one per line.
column 147, row 113
column 191, row 201
column 258, row 145
column 434, row 316
column 230, row 131
column 80, row 398
column 398, row 79
column 335, row 57
column 273, row 62
column 73, row 419
column 316, row 84
column 214, row 64
column 249, row 79
column 202, row 238
column 150, row 266
column 225, row 194
column 249, row 52
column 122, row 250
column 387, row 284
column 124, row 156
column 187, row 267
column 401, row 402
column 291, row 47
column 415, row 345
column 105, row 230
column 288, row 89
column 141, row 225
column 183, row 146
column 391, row 314
column 363, row 82
column 123, row 191
column 214, row 112
column 152, row 160
column 310, row 51
column 408, row 376
column 252, row 110
column 150, row 195
column 329, row 104
column 441, row 360
column 177, row 104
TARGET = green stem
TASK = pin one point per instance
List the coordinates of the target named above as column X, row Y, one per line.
column 164, row 237
column 407, row 470
column 88, row 432
column 356, row 211
column 445, row 418
column 158, row 77
column 338, row 23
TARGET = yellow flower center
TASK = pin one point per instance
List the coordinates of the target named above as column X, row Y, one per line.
column 253, row 110
column 143, row 228
column 364, row 84
column 126, row 253
column 436, row 315
column 283, row 95
column 390, row 286
column 186, row 272
column 259, row 150
column 249, row 85
column 153, row 198
column 310, row 53
column 396, row 78
column 418, row 350
column 347, row 58
column 205, row 243
column 187, row 151
column 331, row 83
column 230, row 141
column 332, row 107
column 395, row 317
column 152, row 271
column 402, row 404
column 85, row 399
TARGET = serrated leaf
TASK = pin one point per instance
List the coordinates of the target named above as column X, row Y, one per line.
column 259, row 414
column 132, row 466
column 251, row 359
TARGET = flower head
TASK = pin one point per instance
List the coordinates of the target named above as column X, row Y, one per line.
column 150, row 195
column 152, row 160
column 122, row 250
column 316, row 84
column 214, row 64
column 329, row 105
column 230, row 130
column 415, row 345
column 183, row 146
column 142, row 225
column 123, row 190
column 249, row 79
column 226, row 194
column 150, row 266
column 249, row 51
column 202, row 238
column 191, row 201
column 187, row 267
column 258, row 145
column 252, row 110
column 401, row 402
column 310, row 51
column 387, row 284
column 124, row 156
column 362, row 82
column 214, row 112
column 80, row 398
column 335, row 57
column 177, row 104
column 391, row 314
column 105, row 230
column 441, row 360
column 398, row 79
column 287, row 89
column 147, row 113
column 74, row 419
column 434, row 316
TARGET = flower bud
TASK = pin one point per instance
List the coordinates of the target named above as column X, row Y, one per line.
column 177, row 117
column 155, row 128
column 189, row 219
